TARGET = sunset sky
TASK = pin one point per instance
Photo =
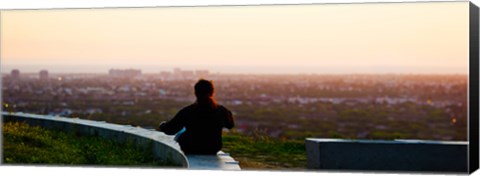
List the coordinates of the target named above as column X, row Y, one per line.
column 328, row 38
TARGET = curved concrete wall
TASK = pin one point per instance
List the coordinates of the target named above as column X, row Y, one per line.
column 162, row 147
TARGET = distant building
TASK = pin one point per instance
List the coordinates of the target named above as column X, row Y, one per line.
column 124, row 72
column 43, row 75
column 187, row 73
column 165, row 74
column 178, row 73
column 15, row 73
column 202, row 73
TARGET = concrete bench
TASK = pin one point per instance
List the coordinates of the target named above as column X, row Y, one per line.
column 162, row 146
column 395, row 155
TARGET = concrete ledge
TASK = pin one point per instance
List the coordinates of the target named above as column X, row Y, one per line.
column 397, row 155
column 212, row 162
column 162, row 146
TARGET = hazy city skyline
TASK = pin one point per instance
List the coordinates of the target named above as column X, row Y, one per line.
column 226, row 69
column 351, row 38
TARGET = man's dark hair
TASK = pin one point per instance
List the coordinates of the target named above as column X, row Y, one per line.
column 204, row 92
column 204, row 88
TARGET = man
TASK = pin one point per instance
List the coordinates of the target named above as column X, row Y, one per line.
column 202, row 121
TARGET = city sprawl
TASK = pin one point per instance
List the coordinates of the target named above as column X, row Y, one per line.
column 295, row 106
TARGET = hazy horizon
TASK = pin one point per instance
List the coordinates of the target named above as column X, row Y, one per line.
column 349, row 38
column 231, row 69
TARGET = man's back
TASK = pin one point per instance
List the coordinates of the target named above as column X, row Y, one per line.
column 203, row 134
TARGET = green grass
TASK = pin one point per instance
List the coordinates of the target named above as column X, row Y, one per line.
column 24, row 144
column 262, row 152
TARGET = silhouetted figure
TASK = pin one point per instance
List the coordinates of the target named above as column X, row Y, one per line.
column 202, row 121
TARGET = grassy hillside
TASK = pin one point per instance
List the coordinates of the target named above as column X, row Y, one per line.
column 262, row 152
column 25, row 144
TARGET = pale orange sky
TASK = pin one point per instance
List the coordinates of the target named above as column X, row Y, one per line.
column 383, row 37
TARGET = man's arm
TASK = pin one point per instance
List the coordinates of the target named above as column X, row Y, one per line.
column 229, row 122
column 174, row 125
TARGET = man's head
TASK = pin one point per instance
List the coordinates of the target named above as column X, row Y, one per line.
column 204, row 89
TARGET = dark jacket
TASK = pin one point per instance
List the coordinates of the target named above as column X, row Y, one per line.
column 204, row 126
